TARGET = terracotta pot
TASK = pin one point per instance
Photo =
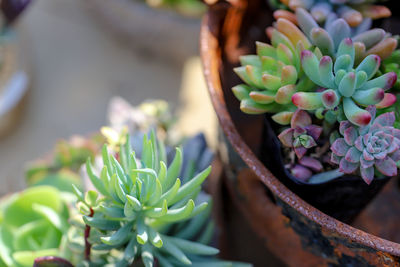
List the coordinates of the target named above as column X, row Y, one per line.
column 158, row 32
column 282, row 227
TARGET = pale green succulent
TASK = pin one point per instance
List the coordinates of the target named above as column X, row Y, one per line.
column 33, row 223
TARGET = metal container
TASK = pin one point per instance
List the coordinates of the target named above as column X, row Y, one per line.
column 262, row 221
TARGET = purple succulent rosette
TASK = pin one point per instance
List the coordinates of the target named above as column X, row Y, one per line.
column 369, row 148
column 302, row 134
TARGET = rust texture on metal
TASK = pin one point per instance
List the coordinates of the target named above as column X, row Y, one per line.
column 291, row 229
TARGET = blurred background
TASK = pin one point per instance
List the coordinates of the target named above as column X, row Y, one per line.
column 77, row 54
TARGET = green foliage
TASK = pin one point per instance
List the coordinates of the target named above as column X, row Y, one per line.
column 33, row 224
column 61, row 171
column 192, row 8
column 142, row 210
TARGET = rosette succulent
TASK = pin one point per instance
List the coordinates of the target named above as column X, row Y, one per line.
column 302, row 134
column 368, row 148
column 348, row 87
column 274, row 74
column 33, row 223
column 139, row 205
column 353, row 11
column 328, row 38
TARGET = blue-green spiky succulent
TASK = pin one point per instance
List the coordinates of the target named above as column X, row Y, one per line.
column 354, row 12
column 142, row 211
column 348, row 87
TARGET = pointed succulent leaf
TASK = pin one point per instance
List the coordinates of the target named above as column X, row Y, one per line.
column 339, row 30
column 288, row 75
column 387, row 101
column 250, row 60
column 292, row 32
column 370, row 38
column 271, row 82
column 361, row 79
column 286, row 137
column 367, row 174
column 264, row 49
column 343, row 62
column 355, row 114
column 285, row 93
column 282, row 118
column 386, row 166
column 263, row 97
column 310, row 65
column 369, row 97
column 326, row 72
column 370, row 65
column 284, row 54
column 269, row 64
column 311, row 163
column 301, row 173
column 385, row 81
column 323, row 41
column 384, row 48
column 241, row 91
column 307, row 101
column 305, row 21
column 346, row 47
column 347, row 167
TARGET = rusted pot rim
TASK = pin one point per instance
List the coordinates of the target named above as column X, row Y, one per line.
column 210, row 55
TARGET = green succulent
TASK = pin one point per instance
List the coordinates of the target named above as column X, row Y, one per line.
column 274, row 74
column 392, row 64
column 141, row 212
column 349, row 87
column 33, row 223
column 355, row 12
column 61, row 170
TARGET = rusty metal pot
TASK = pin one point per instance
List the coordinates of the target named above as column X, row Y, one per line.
column 263, row 221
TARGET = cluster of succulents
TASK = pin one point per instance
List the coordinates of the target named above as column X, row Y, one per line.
column 342, row 72
column 144, row 204
column 355, row 12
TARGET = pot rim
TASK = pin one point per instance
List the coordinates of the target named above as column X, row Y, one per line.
column 210, row 52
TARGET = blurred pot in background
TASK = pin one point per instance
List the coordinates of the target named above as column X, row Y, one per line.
column 13, row 65
column 168, row 29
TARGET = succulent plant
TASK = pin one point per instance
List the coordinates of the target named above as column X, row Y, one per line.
column 353, row 11
column 141, row 202
column 33, row 223
column 305, row 167
column 328, row 38
column 274, row 74
column 348, row 88
column 302, row 134
column 368, row 148
column 150, row 114
column 392, row 64
column 60, row 170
